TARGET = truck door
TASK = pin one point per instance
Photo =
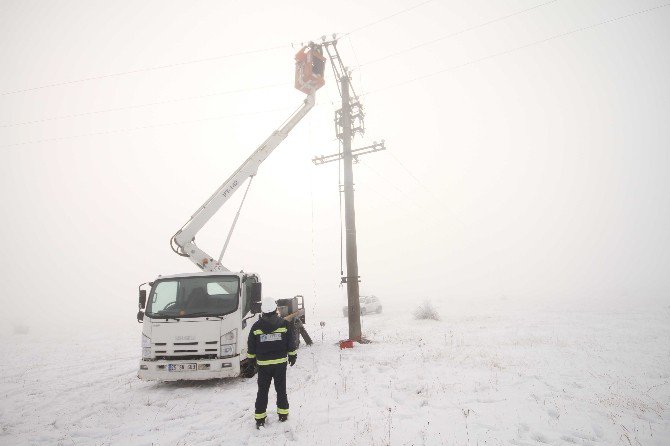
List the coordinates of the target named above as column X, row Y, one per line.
column 247, row 317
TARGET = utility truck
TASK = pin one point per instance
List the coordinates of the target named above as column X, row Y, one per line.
column 195, row 325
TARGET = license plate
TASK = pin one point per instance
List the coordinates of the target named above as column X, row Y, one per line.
column 182, row 367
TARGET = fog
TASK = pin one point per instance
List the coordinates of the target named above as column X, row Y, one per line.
column 525, row 163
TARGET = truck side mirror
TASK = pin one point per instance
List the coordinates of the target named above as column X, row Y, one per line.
column 143, row 298
column 140, row 316
column 256, row 292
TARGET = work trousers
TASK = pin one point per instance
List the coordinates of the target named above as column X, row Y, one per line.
column 266, row 373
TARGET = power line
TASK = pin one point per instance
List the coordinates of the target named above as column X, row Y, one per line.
column 141, row 70
column 166, row 124
column 169, row 101
column 394, row 203
column 425, row 211
column 149, row 104
column 491, row 56
column 457, row 33
column 283, row 46
column 359, row 65
column 145, row 127
column 387, row 17
column 436, row 199
column 207, row 59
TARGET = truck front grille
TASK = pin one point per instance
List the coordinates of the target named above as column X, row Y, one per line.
column 185, row 357
column 186, row 350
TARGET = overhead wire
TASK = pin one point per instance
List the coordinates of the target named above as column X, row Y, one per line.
column 512, row 50
column 145, row 127
column 151, row 126
column 130, row 107
column 391, row 202
column 358, row 64
column 355, row 30
column 136, row 106
column 456, row 33
column 426, row 188
column 311, row 199
column 142, row 70
column 425, row 211
column 195, row 61
column 417, row 78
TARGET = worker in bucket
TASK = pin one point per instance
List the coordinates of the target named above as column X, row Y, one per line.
column 271, row 342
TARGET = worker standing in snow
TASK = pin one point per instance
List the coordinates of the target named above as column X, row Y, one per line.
column 271, row 341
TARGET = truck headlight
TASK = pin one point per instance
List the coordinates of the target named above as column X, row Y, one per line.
column 228, row 343
column 229, row 337
column 146, row 346
column 227, row 350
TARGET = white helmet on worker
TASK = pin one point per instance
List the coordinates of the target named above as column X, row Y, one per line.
column 268, row 305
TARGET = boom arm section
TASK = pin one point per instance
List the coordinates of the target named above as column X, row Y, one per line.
column 183, row 242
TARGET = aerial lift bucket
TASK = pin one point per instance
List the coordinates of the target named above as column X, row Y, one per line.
column 309, row 69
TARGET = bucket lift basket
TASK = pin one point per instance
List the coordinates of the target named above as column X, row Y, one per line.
column 309, row 69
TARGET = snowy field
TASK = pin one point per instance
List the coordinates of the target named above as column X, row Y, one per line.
column 484, row 378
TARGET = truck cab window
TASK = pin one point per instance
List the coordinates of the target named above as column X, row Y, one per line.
column 163, row 296
column 194, row 296
column 246, row 297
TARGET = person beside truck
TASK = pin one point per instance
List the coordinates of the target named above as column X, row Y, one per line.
column 271, row 345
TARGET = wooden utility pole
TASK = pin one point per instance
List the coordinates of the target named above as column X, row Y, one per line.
column 350, row 218
column 348, row 121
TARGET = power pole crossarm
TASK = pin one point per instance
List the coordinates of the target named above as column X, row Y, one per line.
column 184, row 240
column 375, row 147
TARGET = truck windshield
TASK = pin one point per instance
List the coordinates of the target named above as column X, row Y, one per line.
column 194, row 296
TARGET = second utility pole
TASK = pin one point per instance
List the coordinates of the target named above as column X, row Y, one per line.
column 350, row 218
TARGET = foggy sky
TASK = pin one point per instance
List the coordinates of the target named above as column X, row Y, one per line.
column 540, row 174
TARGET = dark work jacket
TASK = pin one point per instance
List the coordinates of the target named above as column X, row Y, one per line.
column 271, row 339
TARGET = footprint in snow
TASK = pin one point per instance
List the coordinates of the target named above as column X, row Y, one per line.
column 540, row 438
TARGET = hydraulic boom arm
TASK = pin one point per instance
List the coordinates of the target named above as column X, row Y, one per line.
column 183, row 242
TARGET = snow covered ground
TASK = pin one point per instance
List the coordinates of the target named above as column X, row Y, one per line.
column 486, row 378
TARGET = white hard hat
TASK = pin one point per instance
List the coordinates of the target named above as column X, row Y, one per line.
column 268, row 305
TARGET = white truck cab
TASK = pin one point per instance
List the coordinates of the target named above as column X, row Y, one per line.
column 195, row 325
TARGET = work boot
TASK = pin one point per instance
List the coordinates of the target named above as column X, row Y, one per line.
column 283, row 417
column 260, row 422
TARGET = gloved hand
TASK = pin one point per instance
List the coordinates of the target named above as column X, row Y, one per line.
column 252, row 363
column 291, row 359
